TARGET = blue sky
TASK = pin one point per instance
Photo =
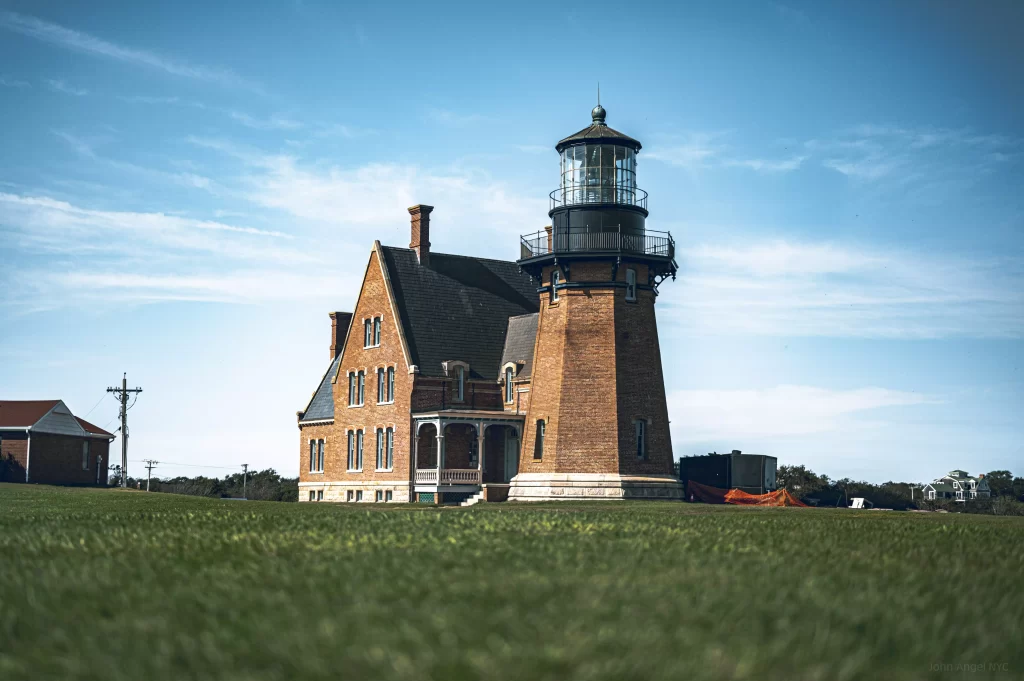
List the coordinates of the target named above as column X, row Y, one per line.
column 186, row 190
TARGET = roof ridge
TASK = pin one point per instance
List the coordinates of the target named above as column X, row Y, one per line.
column 454, row 255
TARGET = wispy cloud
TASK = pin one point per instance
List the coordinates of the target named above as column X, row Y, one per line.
column 86, row 148
column 272, row 123
column 7, row 81
column 143, row 257
column 55, row 34
column 61, row 86
column 782, row 411
column 818, row 289
column 453, row 118
column 767, row 166
column 698, row 150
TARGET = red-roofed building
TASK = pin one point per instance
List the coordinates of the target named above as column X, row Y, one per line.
column 42, row 441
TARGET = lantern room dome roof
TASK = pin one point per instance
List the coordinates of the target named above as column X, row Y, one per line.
column 598, row 132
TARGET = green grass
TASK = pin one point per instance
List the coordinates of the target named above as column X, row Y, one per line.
column 108, row 584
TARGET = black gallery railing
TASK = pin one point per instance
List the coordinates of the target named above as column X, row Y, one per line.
column 583, row 194
column 565, row 241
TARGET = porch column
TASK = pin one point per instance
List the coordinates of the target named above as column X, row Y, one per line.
column 480, row 451
column 440, row 460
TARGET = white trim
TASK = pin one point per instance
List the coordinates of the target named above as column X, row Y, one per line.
column 393, row 303
column 319, row 422
column 28, row 457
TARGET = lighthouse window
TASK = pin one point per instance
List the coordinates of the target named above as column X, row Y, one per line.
column 556, row 279
column 631, row 285
column 641, row 439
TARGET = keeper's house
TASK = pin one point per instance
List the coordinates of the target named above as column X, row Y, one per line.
column 42, row 441
column 460, row 378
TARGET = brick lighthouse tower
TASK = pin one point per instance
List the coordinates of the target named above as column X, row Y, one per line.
column 597, row 422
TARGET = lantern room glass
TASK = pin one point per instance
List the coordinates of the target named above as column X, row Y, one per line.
column 598, row 173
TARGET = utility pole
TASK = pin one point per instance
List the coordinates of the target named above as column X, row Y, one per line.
column 122, row 395
column 245, row 473
column 149, row 470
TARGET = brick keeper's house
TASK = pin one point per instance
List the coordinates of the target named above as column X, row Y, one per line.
column 458, row 378
column 42, row 441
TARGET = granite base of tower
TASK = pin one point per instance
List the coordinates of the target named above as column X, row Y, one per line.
column 592, row 486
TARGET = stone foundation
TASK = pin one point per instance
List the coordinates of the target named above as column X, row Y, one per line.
column 401, row 492
column 590, row 486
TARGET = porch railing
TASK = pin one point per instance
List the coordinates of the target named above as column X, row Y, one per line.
column 449, row 476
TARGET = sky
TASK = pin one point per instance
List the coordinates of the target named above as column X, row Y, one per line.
column 188, row 188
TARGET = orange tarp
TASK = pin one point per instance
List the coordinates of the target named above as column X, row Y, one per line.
column 715, row 495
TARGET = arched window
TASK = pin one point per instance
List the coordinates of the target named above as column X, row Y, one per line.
column 391, row 384
column 538, row 445
column 641, row 439
column 509, row 386
column 382, row 388
column 460, row 384
column 631, row 285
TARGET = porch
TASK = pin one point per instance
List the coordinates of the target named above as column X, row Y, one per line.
column 458, row 452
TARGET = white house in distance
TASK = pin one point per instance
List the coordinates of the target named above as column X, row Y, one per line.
column 959, row 486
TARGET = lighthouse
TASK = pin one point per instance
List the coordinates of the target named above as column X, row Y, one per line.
column 597, row 423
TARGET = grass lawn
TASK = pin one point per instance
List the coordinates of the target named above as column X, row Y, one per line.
column 110, row 584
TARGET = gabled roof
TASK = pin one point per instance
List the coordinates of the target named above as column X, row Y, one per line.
column 321, row 405
column 24, row 413
column 46, row 416
column 457, row 308
column 519, row 342
column 91, row 429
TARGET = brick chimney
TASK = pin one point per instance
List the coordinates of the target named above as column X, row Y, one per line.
column 548, row 230
column 420, row 241
column 339, row 327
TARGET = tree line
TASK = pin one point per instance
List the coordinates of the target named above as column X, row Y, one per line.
column 820, row 490
column 265, row 485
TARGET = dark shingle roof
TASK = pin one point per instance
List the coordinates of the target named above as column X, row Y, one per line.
column 519, row 341
column 322, row 405
column 23, row 413
column 457, row 308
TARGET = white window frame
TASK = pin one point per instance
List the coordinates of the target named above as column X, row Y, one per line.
column 388, row 496
column 361, row 386
column 377, row 323
column 350, row 495
column 630, row 285
column 510, row 394
column 319, row 495
column 368, row 333
column 351, row 461
column 556, row 279
column 360, row 436
column 380, row 448
column 389, row 448
column 321, row 449
column 352, row 390
column 312, row 456
column 460, row 384
column 359, row 495
column 312, row 495
column 382, row 385
column 378, row 496
column 391, row 385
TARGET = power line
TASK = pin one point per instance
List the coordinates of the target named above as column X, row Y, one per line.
column 94, row 406
column 122, row 395
column 188, row 465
